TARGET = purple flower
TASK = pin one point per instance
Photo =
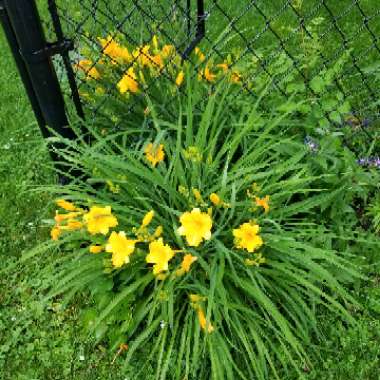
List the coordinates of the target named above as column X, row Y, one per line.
column 311, row 144
column 356, row 121
column 370, row 162
column 366, row 122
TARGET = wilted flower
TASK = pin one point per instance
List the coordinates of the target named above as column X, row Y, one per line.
column 235, row 77
column 366, row 122
column 197, row 195
column 187, row 261
column 263, row 202
column 223, row 66
column 208, row 327
column 192, row 153
column 257, row 261
column 73, row 225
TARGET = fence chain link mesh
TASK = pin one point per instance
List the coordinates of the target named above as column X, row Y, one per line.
column 280, row 39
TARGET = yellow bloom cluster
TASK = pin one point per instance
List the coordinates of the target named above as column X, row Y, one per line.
column 149, row 60
column 68, row 221
column 113, row 50
column 99, row 220
column 195, row 226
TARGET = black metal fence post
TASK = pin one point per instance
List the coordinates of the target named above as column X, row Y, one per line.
column 13, row 44
column 36, row 53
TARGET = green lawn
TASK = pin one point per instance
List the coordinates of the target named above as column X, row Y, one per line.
column 39, row 342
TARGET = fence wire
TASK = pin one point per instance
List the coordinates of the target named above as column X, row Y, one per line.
column 282, row 40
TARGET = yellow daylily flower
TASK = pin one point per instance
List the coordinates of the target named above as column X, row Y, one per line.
column 196, row 227
column 113, row 50
column 87, row 66
column 99, row 220
column 55, row 232
column 208, row 75
column 156, row 61
column 142, row 55
column 66, row 205
column 121, row 248
column 159, row 254
column 154, row 154
column 246, row 237
column 128, row 82
column 167, row 51
column 223, row 66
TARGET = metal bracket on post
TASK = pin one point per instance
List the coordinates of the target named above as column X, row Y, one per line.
column 51, row 49
column 65, row 56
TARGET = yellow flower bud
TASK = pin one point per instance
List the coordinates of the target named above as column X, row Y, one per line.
column 215, row 199
column 96, row 248
column 148, row 218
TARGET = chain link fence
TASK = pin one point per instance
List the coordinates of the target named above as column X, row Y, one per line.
column 285, row 45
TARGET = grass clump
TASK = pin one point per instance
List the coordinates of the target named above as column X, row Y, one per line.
column 211, row 238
